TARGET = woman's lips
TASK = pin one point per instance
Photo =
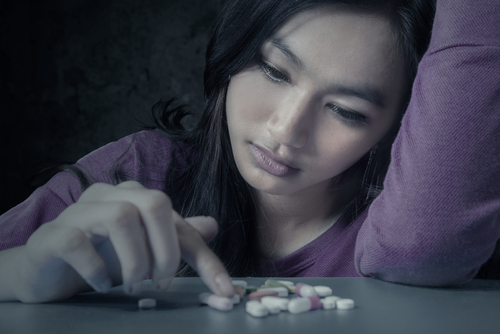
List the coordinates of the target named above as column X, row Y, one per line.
column 272, row 163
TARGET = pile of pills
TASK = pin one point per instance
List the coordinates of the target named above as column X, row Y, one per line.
column 272, row 298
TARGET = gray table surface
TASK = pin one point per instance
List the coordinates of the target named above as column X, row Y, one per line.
column 381, row 307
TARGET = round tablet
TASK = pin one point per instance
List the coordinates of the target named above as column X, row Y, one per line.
column 147, row 303
column 345, row 304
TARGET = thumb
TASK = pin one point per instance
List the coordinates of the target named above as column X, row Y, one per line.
column 207, row 227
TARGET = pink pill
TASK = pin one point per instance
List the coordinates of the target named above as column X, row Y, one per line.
column 304, row 290
column 257, row 295
column 217, row 302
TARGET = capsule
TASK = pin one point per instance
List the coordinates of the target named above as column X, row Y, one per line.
column 257, row 295
column 282, row 291
column 217, row 302
column 282, row 303
column 304, row 304
column 304, row 290
column 241, row 283
column 256, row 309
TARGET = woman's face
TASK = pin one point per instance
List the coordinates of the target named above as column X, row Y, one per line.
column 325, row 88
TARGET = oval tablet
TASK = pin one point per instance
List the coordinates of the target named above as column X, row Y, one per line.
column 328, row 304
column 322, row 291
column 256, row 309
column 217, row 302
column 345, row 304
column 147, row 303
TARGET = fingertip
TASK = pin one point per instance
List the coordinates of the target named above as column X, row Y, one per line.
column 224, row 285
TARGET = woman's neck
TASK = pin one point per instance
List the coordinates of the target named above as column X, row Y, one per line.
column 287, row 223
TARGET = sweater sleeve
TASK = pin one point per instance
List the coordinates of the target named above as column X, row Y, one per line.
column 143, row 156
column 437, row 219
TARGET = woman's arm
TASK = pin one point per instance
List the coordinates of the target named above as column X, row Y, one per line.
column 437, row 219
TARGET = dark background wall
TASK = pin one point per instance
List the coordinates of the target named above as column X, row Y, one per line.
column 77, row 74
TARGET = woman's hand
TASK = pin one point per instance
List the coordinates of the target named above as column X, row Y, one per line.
column 112, row 235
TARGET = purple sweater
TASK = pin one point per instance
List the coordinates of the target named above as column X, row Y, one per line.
column 437, row 219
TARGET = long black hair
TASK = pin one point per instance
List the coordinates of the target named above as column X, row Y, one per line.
column 212, row 185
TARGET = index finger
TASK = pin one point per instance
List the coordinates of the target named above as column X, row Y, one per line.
column 197, row 254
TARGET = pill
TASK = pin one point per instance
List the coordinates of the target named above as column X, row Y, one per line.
column 250, row 289
column 287, row 283
column 217, row 302
column 256, row 309
column 335, row 298
column 282, row 292
column 239, row 291
column 304, row 304
column 272, row 309
column 147, row 303
column 272, row 283
column 257, row 295
column 282, row 303
column 236, row 299
column 322, row 291
column 328, row 304
column 241, row 283
column 345, row 304
column 304, row 290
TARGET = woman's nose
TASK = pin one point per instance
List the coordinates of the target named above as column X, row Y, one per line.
column 290, row 123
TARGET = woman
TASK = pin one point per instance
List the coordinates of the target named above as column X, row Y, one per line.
column 303, row 105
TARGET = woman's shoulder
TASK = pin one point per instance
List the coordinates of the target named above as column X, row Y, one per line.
column 145, row 156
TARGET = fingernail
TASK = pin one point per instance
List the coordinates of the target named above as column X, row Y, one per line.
column 163, row 284
column 224, row 284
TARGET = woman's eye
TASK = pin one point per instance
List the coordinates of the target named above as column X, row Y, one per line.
column 348, row 116
column 272, row 73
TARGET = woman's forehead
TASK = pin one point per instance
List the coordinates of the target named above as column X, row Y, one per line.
column 333, row 45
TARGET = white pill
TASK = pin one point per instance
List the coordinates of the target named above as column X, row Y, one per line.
column 282, row 292
column 147, row 303
column 304, row 304
column 322, row 291
column 287, row 283
column 255, row 308
column 345, row 304
column 241, row 283
column 328, row 304
column 282, row 303
column 272, row 309
column 217, row 302
column 304, row 290
column 236, row 299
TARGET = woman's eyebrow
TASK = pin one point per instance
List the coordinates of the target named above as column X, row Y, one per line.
column 369, row 94
column 366, row 93
column 278, row 42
